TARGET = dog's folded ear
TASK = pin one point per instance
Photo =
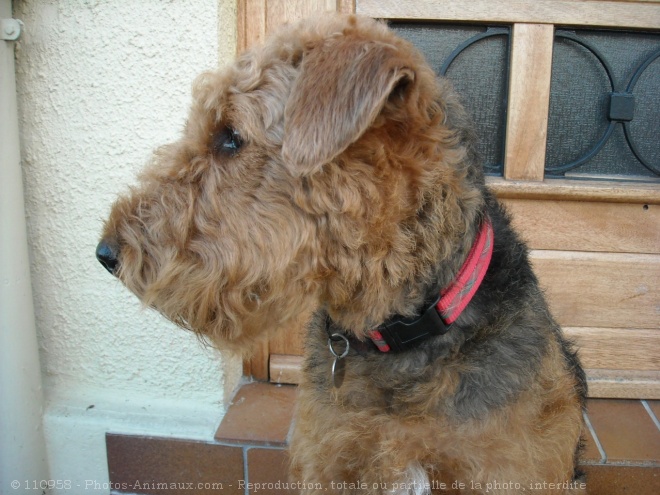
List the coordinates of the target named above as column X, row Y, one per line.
column 343, row 85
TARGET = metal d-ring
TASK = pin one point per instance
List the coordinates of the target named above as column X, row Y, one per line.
column 337, row 372
column 337, row 337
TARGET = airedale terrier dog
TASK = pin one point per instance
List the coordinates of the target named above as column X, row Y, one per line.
column 330, row 172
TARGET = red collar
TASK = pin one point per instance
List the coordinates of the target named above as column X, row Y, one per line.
column 401, row 333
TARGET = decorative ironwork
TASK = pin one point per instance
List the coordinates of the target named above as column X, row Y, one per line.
column 489, row 33
column 621, row 107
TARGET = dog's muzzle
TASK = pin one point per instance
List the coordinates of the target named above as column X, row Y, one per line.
column 107, row 252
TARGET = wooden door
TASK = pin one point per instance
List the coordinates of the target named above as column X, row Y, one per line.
column 593, row 228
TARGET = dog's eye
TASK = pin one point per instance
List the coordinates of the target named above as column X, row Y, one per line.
column 227, row 141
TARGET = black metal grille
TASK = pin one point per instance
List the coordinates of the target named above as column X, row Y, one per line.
column 604, row 118
column 476, row 60
column 604, row 105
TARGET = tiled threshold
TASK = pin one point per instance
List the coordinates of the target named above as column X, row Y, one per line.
column 248, row 456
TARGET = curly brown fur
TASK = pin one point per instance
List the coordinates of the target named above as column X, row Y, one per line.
column 331, row 171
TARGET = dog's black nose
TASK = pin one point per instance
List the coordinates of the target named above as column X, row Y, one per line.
column 107, row 252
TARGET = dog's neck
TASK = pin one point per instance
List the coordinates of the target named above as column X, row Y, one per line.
column 400, row 333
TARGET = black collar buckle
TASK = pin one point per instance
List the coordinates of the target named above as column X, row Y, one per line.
column 404, row 333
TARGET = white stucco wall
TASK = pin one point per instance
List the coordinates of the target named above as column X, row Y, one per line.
column 100, row 85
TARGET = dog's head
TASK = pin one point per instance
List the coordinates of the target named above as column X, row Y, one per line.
column 327, row 168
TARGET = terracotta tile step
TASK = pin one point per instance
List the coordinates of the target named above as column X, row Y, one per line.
column 248, row 456
column 260, row 413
